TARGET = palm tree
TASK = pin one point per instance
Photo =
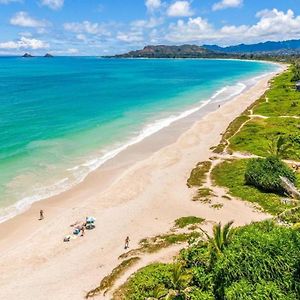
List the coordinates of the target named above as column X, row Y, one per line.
column 220, row 239
column 159, row 293
column 178, row 285
column 279, row 147
column 180, row 278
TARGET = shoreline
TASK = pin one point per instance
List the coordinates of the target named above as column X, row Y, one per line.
column 194, row 112
column 151, row 193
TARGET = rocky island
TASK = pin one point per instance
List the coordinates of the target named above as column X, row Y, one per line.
column 27, row 55
column 48, row 55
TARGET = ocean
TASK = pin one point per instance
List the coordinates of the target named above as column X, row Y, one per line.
column 63, row 117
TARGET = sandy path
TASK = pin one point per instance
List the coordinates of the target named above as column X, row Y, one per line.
column 145, row 201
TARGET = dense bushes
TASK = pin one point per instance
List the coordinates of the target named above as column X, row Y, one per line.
column 146, row 282
column 265, row 173
column 261, row 262
column 296, row 72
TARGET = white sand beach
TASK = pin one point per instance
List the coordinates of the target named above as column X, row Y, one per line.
column 138, row 201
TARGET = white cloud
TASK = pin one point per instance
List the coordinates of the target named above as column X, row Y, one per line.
column 72, row 51
column 151, row 23
column 130, row 37
column 153, row 4
column 87, row 27
column 227, row 4
column 23, row 19
column 53, row 4
column 192, row 30
column 81, row 37
column 272, row 25
column 24, row 43
column 180, row 9
column 69, row 51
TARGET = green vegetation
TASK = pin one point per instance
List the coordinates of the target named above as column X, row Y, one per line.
column 231, row 174
column 185, row 221
column 108, row 281
column 280, row 147
column 255, row 262
column 283, row 99
column 258, row 134
column 153, row 244
column 265, row 174
column 146, row 282
column 203, row 195
column 217, row 205
column 280, row 111
column 296, row 72
column 198, row 174
column 226, row 197
column 290, row 216
column 233, row 127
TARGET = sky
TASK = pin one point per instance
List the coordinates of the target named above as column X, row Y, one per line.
column 106, row 27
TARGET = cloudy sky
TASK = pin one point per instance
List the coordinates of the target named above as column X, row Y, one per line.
column 99, row 27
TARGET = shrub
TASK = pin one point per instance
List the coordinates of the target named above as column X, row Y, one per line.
column 265, row 173
column 296, row 72
column 146, row 281
column 185, row 221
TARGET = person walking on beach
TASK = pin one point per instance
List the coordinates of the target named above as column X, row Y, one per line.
column 127, row 243
column 41, row 214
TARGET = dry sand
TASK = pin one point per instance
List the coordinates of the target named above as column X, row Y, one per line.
column 143, row 201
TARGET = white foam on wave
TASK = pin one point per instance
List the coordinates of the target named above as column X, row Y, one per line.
column 229, row 92
column 80, row 172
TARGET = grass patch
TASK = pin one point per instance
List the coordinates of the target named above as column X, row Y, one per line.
column 233, row 127
column 185, row 221
column 257, row 135
column 154, row 244
column 203, row 195
column 145, row 283
column 283, row 99
column 217, row 206
column 108, row 281
column 291, row 216
column 198, row 174
column 230, row 174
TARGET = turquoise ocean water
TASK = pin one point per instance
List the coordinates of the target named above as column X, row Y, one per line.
column 60, row 118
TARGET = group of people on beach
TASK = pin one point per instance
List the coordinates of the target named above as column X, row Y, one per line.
column 80, row 227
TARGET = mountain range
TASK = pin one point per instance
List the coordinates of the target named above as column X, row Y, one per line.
column 283, row 48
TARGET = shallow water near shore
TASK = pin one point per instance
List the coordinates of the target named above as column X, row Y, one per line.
column 62, row 118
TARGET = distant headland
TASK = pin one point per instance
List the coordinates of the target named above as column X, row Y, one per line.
column 280, row 51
